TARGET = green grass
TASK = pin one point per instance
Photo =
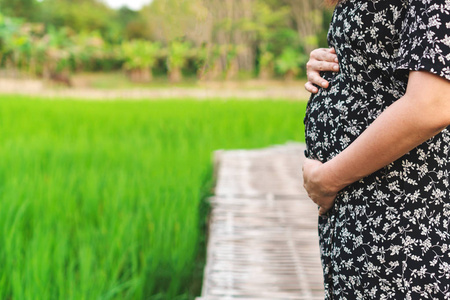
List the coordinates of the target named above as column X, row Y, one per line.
column 101, row 200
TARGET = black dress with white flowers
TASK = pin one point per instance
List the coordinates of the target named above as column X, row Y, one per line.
column 388, row 235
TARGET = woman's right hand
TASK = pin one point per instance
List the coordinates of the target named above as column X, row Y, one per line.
column 322, row 59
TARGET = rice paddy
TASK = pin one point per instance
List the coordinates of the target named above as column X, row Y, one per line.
column 103, row 200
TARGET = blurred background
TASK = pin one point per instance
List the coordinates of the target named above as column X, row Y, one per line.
column 108, row 199
column 107, row 44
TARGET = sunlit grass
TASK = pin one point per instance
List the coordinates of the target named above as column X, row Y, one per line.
column 100, row 200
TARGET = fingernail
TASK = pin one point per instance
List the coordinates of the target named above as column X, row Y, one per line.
column 336, row 59
column 324, row 83
column 335, row 68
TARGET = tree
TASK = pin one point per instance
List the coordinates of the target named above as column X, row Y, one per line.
column 308, row 16
column 288, row 63
column 232, row 23
column 26, row 9
column 174, row 19
column 140, row 56
column 177, row 56
column 79, row 15
column 268, row 19
column 128, row 24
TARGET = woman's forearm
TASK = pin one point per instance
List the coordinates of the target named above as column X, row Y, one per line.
column 400, row 128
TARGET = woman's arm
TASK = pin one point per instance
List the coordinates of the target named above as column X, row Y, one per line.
column 420, row 114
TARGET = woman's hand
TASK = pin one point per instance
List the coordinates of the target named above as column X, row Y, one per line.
column 319, row 185
column 322, row 59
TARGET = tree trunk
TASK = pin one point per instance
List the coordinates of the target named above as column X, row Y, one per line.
column 225, row 17
column 308, row 19
column 266, row 73
column 233, row 69
column 289, row 76
column 215, row 71
column 140, row 75
column 175, row 75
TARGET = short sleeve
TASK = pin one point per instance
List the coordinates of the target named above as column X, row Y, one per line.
column 425, row 37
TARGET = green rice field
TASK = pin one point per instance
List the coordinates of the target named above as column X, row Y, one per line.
column 103, row 200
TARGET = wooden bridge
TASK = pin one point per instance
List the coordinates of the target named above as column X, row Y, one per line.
column 262, row 240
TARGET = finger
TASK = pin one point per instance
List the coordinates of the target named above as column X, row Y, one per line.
column 333, row 56
column 322, row 211
column 315, row 78
column 319, row 66
column 328, row 55
column 328, row 66
column 311, row 88
column 320, row 54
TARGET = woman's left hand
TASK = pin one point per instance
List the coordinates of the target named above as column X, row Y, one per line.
column 315, row 181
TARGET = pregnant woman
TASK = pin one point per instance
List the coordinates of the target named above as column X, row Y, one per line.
column 378, row 149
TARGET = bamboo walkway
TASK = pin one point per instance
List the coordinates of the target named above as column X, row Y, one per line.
column 262, row 240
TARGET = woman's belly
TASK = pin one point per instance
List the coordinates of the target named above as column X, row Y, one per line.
column 336, row 116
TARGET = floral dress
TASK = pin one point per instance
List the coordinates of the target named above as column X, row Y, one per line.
column 388, row 235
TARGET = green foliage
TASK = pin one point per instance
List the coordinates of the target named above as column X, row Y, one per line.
column 125, row 19
column 290, row 61
column 79, row 15
column 200, row 56
column 59, row 49
column 322, row 36
column 268, row 19
column 266, row 58
column 140, row 54
column 100, row 200
column 178, row 53
column 86, row 35
column 281, row 39
column 9, row 30
column 20, row 44
column 89, row 49
column 171, row 20
column 26, row 9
